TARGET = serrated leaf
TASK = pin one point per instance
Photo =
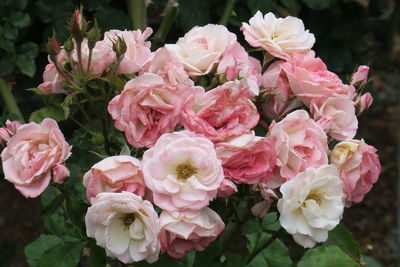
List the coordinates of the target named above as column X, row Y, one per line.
column 35, row 249
column 66, row 254
column 270, row 222
column 275, row 255
column 47, row 112
column 331, row 256
column 251, row 226
column 255, row 240
column 26, row 65
column 344, row 239
column 53, row 205
column 28, row 50
column 7, row 45
column 20, row 19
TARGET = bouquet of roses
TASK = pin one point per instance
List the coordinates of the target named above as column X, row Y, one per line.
column 191, row 149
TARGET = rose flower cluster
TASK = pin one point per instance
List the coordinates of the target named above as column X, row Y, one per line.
column 193, row 107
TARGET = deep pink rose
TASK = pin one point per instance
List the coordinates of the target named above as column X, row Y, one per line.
column 226, row 188
column 115, row 174
column 186, row 230
column 310, row 80
column 247, row 158
column 147, row 108
column 138, row 51
column 300, row 143
column 359, row 168
column 221, row 113
column 337, row 117
column 32, row 154
column 281, row 98
column 183, row 171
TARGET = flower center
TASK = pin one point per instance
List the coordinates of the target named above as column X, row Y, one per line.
column 128, row 219
column 315, row 196
column 184, row 171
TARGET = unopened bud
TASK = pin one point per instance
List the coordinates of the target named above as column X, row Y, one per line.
column 69, row 45
column 53, row 47
column 93, row 35
column 363, row 102
column 78, row 25
column 360, row 77
column 119, row 47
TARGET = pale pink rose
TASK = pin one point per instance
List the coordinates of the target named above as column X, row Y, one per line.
column 125, row 225
column 359, row 168
column 281, row 37
column 102, row 57
column 186, row 230
column 147, row 108
column 236, row 64
column 114, row 174
column 202, row 48
column 261, row 209
column 12, row 126
column 310, row 80
column 138, row 51
column 300, row 143
column 337, row 117
column 60, row 173
column 363, row 102
column 4, row 136
column 166, row 64
column 312, row 204
column 226, row 189
column 360, row 77
column 31, row 155
column 7, row 132
column 248, row 158
column 276, row 84
column 183, row 171
column 223, row 112
column 52, row 80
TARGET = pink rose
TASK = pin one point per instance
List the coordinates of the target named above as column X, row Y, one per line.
column 261, row 209
column 186, row 230
column 7, row 132
column 226, row 189
column 125, row 225
column 114, row 174
column 102, row 57
column 359, row 168
column 138, row 51
column 300, row 144
column 202, row 47
column 310, row 80
column 236, row 64
column 360, row 77
column 32, row 154
column 60, row 173
column 221, row 113
column 166, row 64
column 280, row 37
column 147, row 108
column 337, row 117
column 247, row 158
column 363, row 102
column 277, row 85
column 187, row 173
column 52, row 80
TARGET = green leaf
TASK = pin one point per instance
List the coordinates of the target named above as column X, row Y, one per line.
column 318, row 4
column 275, row 255
column 20, row 19
column 344, row 239
column 97, row 255
column 11, row 32
column 29, row 50
column 7, row 46
column 163, row 261
column 370, row 262
column 255, row 241
column 331, row 256
column 35, row 90
column 58, row 225
column 270, row 222
column 53, row 205
column 76, row 210
column 35, row 249
column 208, row 257
column 65, row 105
column 112, row 18
column 66, row 254
column 47, row 112
column 235, row 260
column 194, row 13
column 26, row 65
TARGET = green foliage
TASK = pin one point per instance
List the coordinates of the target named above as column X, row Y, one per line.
column 47, row 112
column 344, row 239
column 37, row 248
column 318, row 4
column 275, row 255
column 331, row 256
column 194, row 13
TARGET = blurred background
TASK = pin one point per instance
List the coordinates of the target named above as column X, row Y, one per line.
column 348, row 33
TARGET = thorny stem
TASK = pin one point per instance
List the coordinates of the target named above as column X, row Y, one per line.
column 169, row 15
column 9, row 100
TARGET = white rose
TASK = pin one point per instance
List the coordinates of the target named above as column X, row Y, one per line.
column 312, row 204
column 125, row 225
column 202, row 47
column 281, row 37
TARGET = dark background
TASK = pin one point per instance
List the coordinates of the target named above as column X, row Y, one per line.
column 348, row 33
